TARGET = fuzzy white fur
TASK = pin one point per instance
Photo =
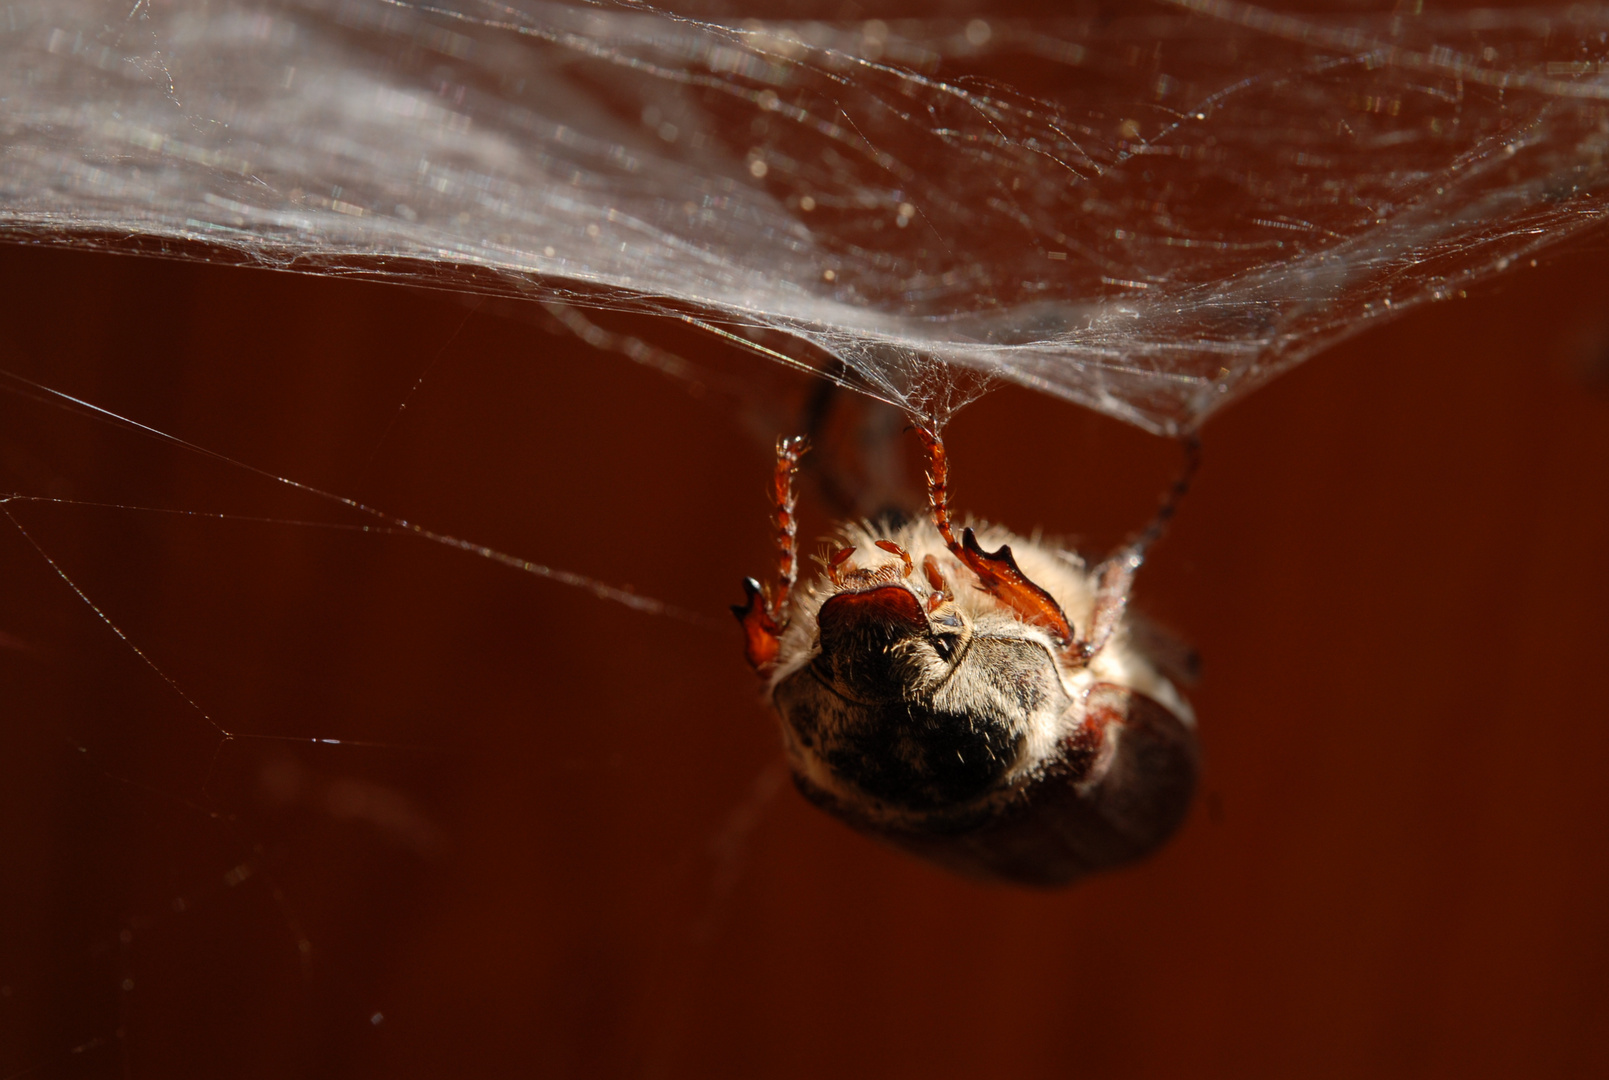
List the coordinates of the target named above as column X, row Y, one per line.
column 1063, row 574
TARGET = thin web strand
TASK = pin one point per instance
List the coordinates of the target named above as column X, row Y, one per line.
column 602, row 590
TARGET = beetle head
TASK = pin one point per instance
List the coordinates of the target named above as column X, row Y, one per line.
column 917, row 709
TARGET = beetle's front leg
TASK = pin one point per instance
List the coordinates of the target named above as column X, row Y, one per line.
column 997, row 571
column 764, row 614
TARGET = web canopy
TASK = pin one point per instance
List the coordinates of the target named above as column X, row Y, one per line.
column 1149, row 215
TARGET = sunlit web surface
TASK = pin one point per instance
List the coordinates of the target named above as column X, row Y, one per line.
column 1146, row 214
column 1149, row 215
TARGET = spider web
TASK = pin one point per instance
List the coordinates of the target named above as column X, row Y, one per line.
column 1149, row 215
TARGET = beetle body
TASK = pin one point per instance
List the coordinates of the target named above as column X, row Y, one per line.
column 938, row 720
column 939, row 696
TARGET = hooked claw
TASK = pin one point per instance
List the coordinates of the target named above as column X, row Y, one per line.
column 1001, row 578
column 762, row 637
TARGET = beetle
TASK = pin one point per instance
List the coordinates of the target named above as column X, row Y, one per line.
column 981, row 701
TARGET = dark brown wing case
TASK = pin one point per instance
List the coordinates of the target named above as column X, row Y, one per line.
column 1121, row 788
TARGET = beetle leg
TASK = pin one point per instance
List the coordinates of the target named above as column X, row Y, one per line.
column 1111, row 600
column 762, row 637
column 1117, row 572
column 764, row 614
column 997, row 571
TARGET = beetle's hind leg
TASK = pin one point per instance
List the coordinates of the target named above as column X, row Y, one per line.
column 1117, row 572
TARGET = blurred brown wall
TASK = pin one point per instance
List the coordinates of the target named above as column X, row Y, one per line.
column 566, row 847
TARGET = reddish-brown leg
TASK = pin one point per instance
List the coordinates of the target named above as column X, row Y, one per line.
column 1117, row 572
column 764, row 614
column 997, row 571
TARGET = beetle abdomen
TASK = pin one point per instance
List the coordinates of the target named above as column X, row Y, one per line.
column 1121, row 787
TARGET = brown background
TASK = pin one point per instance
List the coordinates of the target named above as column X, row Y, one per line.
column 573, row 852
